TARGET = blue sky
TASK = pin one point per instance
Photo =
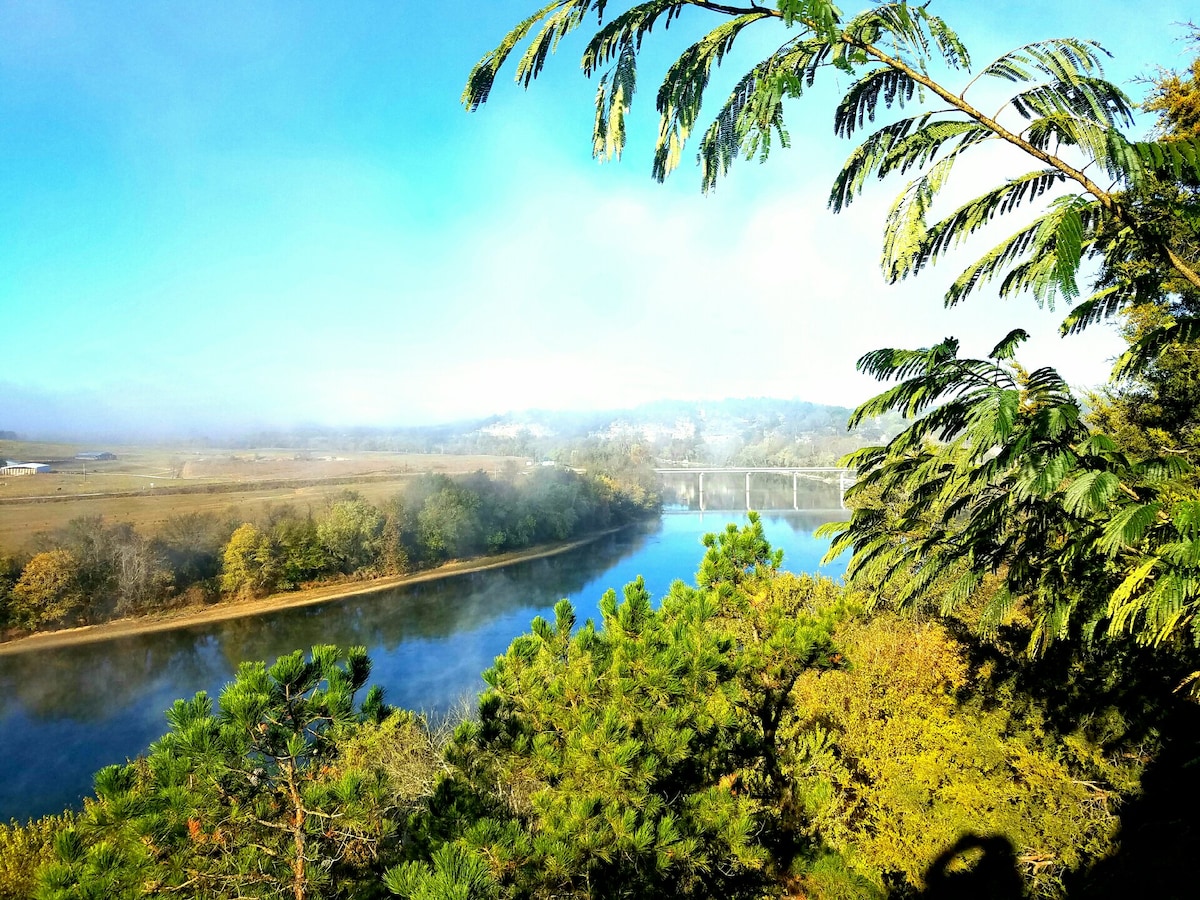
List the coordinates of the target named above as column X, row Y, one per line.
column 251, row 214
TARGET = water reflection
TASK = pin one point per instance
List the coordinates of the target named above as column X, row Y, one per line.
column 66, row 712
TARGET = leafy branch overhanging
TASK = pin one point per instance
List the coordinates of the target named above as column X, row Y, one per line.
column 1062, row 113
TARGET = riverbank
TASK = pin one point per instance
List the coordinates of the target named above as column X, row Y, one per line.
column 188, row 616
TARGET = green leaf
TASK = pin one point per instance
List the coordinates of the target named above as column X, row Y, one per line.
column 483, row 75
column 1128, row 527
column 1091, row 492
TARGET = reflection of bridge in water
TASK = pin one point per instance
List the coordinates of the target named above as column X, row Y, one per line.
column 842, row 477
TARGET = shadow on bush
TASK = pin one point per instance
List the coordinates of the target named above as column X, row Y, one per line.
column 995, row 875
column 1160, row 829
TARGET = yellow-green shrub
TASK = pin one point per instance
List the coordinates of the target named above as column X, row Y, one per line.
column 893, row 770
column 22, row 849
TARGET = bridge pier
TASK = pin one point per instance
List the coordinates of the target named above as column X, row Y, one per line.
column 701, row 492
column 795, row 490
column 747, row 491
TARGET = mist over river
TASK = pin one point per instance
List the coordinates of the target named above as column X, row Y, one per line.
column 66, row 712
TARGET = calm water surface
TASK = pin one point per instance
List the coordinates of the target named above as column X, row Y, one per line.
column 65, row 713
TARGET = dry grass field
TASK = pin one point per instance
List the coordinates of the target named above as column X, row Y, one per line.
column 145, row 486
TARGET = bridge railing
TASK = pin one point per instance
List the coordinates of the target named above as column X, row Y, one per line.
column 844, row 478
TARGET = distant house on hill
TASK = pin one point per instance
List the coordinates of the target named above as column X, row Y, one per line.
column 25, row 469
column 95, row 455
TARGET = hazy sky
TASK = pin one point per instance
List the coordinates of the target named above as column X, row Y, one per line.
column 228, row 215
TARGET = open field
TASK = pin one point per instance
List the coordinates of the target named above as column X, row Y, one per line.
column 148, row 485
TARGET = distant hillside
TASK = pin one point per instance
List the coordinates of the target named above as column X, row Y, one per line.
column 743, row 431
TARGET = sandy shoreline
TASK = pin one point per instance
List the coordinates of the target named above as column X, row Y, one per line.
column 220, row 612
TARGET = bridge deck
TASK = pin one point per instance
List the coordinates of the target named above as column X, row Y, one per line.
column 748, row 470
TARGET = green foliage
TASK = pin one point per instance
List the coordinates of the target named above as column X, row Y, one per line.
column 735, row 555
column 1063, row 107
column 1156, row 414
column 452, row 874
column 249, row 568
column 754, row 734
column 596, row 733
column 1000, row 494
column 350, row 532
column 244, row 802
column 448, row 524
column 1154, row 411
column 10, row 573
column 302, row 555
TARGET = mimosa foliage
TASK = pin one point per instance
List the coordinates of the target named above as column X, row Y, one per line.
column 1061, row 113
column 999, row 495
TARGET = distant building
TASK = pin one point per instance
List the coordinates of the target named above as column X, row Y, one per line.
column 25, row 469
column 95, row 455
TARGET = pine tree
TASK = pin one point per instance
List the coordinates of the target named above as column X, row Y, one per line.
column 636, row 757
column 243, row 801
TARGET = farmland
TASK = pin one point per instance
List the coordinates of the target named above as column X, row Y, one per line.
column 146, row 486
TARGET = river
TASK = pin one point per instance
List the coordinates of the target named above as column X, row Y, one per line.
column 66, row 712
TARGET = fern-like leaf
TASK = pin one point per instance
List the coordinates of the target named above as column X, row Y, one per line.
column 859, row 104
column 1185, row 329
column 632, row 25
column 483, row 75
column 683, row 87
column 1060, row 58
column 1127, row 527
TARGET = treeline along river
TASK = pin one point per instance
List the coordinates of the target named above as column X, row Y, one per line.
column 66, row 712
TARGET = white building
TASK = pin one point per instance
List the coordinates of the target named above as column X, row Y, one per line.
column 25, row 469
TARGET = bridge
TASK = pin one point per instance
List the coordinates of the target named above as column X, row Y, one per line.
column 845, row 477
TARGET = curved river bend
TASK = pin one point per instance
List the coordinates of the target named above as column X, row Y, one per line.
column 65, row 713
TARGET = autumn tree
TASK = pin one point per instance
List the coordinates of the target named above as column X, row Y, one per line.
column 50, row 592
column 1176, row 99
column 249, row 567
column 192, row 544
column 119, row 570
column 893, row 767
column 24, row 849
